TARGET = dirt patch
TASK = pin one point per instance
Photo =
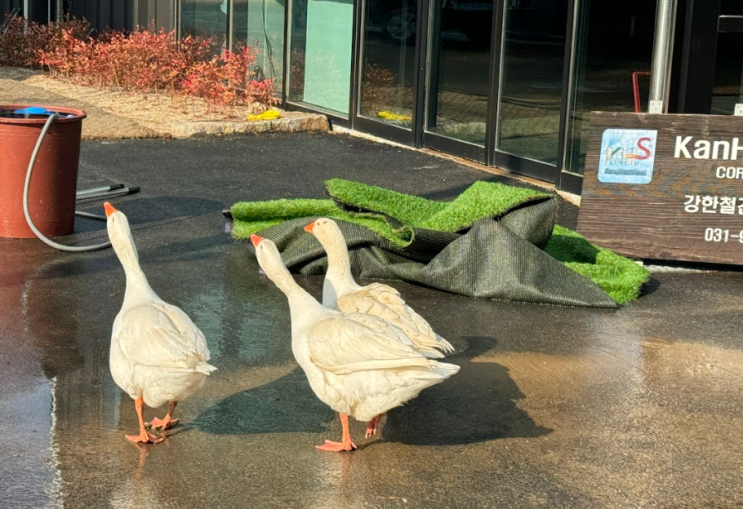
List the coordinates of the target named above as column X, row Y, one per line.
column 116, row 114
column 16, row 87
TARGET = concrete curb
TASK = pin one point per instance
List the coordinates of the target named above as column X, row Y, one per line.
column 289, row 123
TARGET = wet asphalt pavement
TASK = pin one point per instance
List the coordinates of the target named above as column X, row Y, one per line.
column 553, row 407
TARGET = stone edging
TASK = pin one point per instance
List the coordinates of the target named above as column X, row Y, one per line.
column 290, row 124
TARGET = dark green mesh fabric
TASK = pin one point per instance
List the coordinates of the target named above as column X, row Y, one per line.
column 497, row 258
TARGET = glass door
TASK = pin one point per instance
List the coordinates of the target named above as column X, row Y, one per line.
column 320, row 50
column 530, row 87
column 458, row 83
column 260, row 26
column 205, row 18
column 710, row 69
column 727, row 86
column 611, row 68
column 387, row 78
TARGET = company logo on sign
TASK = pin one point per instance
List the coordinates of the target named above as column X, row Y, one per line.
column 627, row 156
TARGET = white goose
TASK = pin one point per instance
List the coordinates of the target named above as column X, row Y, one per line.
column 358, row 364
column 157, row 355
column 341, row 292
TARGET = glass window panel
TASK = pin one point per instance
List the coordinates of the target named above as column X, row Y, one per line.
column 531, row 78
column 734, row 7
column 727, row 91
column 458, row 95
column 613, row 40
column 260, row 24
column 388, row 62
column 320, row 65
column 205, row 18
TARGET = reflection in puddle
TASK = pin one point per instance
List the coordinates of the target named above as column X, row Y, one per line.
column 28, row 473
column 547, row 396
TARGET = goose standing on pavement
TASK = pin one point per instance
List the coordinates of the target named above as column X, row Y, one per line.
column 359, row 365
column 341, row 292
column 157, row 354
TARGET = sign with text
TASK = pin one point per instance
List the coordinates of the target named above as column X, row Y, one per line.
column 665, row 187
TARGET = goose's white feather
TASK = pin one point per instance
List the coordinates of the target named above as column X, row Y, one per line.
column 358, row 364
column 157, row 352
column 341, row 292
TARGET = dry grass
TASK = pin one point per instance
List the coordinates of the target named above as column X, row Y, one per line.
column 111, row 113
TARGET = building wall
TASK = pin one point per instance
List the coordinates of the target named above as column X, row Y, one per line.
column 116, row 14
column 8, row 5
column 159, row 12
column 103, row 13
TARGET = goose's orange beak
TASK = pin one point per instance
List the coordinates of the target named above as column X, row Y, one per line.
column 109, row 209
column 309, row 227
column 255, row 239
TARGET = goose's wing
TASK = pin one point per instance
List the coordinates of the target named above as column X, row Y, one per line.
column 161, row 335
column 187, row 329
column 384, row 301
column 352, row 342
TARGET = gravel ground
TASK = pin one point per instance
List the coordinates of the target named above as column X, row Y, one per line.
column 111, row 114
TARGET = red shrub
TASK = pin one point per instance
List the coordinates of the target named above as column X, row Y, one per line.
column 226, row 80
column 142, row 61
column 68, row 55
column 22, row 43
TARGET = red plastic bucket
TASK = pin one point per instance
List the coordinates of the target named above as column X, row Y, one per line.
column 54, row 181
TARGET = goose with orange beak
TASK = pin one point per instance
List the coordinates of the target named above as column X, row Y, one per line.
column 340, row 291
column 157, row 354
column 358, row 364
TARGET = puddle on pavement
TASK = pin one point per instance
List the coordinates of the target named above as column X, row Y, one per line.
column 257, row 421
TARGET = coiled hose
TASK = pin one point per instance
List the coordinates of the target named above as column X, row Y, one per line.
column 27, row 185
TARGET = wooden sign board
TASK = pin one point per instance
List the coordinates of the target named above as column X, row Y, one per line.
column 665, row 187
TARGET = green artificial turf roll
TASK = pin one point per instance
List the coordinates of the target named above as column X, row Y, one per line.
column 372, row 207
column 253, row 217
column 481, row 199
column 618, row 276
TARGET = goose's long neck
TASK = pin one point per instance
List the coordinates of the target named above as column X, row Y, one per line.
column 300, row 301
column 339, row 279
column 137, row 287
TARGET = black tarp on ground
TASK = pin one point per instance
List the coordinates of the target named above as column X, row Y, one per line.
column 497, row 258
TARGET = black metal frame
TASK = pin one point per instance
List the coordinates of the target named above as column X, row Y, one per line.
column 230, row 20
column 525, row 166
column 417, row 135
column 459, row 148
column 333, row 117
column 566, row 178
column 432, row 81
column 419, row 75
column 287, row 54
column 496, row 45
column 570, row 182
column 358, row 14
column 388, row 131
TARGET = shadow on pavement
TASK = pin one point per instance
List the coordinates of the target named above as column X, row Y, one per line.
column 475, row 405
column 286, row 405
